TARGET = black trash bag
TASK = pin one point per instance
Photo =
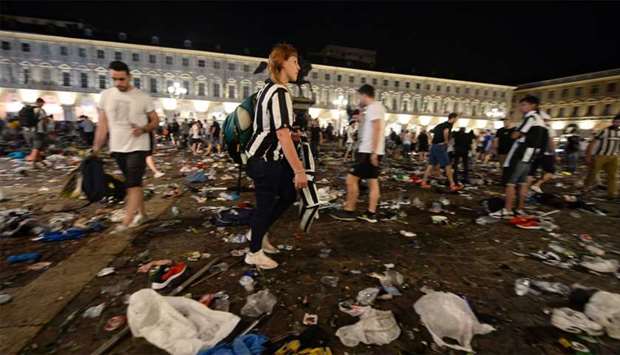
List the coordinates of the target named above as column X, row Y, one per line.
column 493, row 204
column 96, row 184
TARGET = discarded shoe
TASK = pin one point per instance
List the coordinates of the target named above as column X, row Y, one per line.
column 164, row 278
column 531, row 224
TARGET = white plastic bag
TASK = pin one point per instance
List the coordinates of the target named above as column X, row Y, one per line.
column 604, row 308
column 374, row 327
column 179, row 325
column 447, row 315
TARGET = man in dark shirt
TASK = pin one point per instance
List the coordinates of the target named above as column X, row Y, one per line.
column 503, row 141
column 462, row 145
column 438, row 157
column 315, row 138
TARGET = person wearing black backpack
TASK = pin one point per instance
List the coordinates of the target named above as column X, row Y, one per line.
column 32, row 118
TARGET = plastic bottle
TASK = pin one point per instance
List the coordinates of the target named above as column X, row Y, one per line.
column 247, row 282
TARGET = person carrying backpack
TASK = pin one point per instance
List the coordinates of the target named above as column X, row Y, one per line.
column 32, row 118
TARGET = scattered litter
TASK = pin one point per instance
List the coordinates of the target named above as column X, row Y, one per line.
column 5, row 298
column 604, row 308
column 331, row 281
column 221, row 267
column 39, row 266
column 258, row 304
column 247, row 282
column 310, row 319
column 148, row 266
column 114, row 323
column 367, row 296
column 24, row 258
column 94, row 311
column 407, row 234
column 599, row 264
column 447, row 315
column 325, row 253
column 484, row 220
column 439, row 219
column 106, row 271
column 375, row 327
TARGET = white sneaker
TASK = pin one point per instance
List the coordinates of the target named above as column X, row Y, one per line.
column 266, row 245
column 575, row 322
column 138, row 220
column 121, row 228
column 159, row 174
column 260, row 260
column 536, row 189
column 503, row 213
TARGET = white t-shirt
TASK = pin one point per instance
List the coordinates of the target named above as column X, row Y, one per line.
column 124, row 109
column 374, row 111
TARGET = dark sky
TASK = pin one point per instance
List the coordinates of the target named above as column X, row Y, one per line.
column 500, row 42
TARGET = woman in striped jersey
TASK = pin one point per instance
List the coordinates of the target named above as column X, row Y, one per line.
column 273, row 162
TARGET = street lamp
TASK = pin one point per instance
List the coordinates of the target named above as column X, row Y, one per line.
column 339, row 102
column 176, row 91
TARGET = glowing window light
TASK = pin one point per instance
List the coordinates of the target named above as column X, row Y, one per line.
column 230, row 106
column 425, row 120
column 201, row 105
column 169, row 104
column 29, row 95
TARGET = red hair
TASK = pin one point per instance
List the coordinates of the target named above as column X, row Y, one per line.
column 280, row 53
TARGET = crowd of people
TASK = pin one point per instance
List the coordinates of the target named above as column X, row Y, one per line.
column 130, row 127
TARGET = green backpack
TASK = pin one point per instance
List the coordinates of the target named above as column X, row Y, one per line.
column 238, row 128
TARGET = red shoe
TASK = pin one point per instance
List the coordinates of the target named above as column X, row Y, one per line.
column 531, row 224
column 425, row 185
column 174, row 272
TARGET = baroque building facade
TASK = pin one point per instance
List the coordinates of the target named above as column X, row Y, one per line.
column 589, row 100
column 70, row 72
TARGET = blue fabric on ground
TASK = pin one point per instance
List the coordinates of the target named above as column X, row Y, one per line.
column 17, row 155
column 250, row 344
column 196, row 177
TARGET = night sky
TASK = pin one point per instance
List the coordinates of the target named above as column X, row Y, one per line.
column 504, row 43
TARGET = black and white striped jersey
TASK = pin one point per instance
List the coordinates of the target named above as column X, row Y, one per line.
column 274, row 111
column 533, row 140
column 607, row 141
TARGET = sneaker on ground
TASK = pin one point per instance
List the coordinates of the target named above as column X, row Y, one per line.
column 343, row 215
column 266, row 245
column 159, row 174
column 575, row 322
column 503, row 213
column 174, row 272
column 121, row 228
column 260, row 260
column 529, row 224
column 536, row 189
column 368, row 217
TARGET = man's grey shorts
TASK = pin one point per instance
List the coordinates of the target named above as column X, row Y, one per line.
column 519, row 173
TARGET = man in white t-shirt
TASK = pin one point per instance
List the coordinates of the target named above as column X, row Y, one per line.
column 128, row 115
column 371, row 149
